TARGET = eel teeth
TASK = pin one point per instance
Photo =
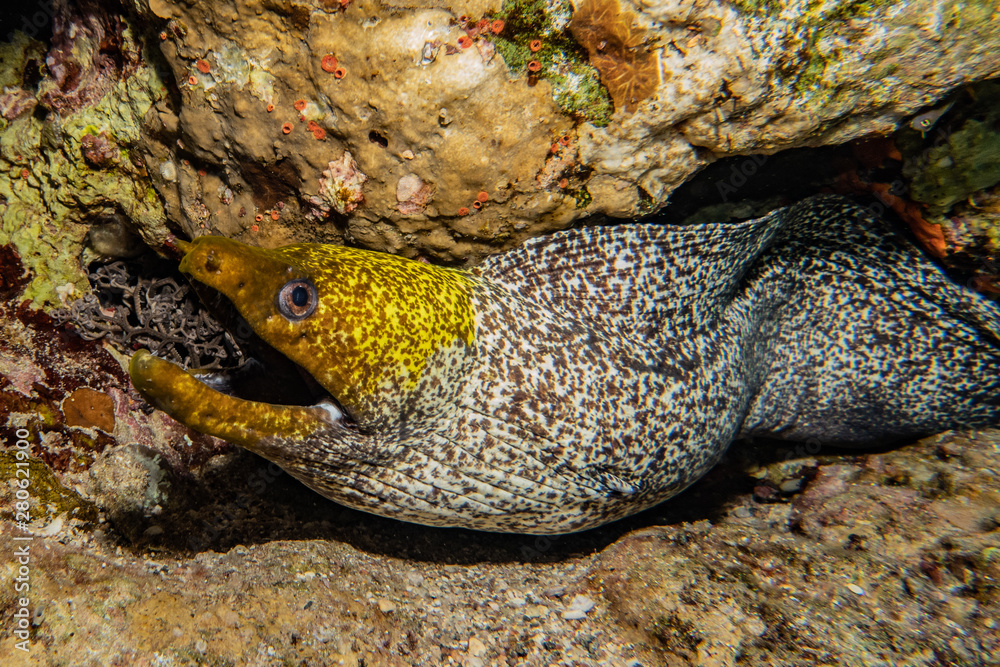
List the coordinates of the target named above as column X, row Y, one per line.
column 334, row 415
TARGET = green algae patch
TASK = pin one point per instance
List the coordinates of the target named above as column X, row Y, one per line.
column 819, row 33
column 823, row 33
column 595, row 58
column 839, row 9
column 20, row 60
column 951, row 169
column 822, row 21
column 535, row 42
column 49, row 498
column 964, row 163
column 960, row 160
column 766, row 7
column 65, row 172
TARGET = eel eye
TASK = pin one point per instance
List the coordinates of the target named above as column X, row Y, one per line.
column 297, row 299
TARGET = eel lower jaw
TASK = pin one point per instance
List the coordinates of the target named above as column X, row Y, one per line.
column 234, row 383
column 195, row 403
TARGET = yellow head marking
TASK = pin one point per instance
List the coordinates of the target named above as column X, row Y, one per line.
column 377, row 321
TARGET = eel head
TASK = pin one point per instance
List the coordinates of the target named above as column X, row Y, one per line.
column 374, row 331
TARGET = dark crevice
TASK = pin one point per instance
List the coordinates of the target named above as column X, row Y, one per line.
column 34, row 19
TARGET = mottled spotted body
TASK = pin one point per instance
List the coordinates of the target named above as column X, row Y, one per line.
column 596, row 372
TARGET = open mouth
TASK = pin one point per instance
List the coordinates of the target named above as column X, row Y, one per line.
column 276, row 383
column 267, row 376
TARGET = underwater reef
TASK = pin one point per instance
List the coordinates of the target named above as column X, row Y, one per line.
column 449, row 132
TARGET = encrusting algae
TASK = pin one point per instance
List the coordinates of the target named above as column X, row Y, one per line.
column 593, row 373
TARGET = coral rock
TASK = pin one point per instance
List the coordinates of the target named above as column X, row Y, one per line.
column 690, row 82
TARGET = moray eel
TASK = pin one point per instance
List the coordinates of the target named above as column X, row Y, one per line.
column 593, row 373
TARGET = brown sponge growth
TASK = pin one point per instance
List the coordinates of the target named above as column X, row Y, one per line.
column 616, row 46
column 90, row 408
